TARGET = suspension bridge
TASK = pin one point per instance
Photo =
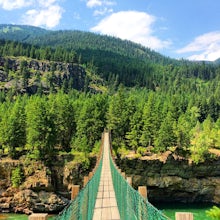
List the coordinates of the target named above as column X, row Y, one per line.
column 107, row 195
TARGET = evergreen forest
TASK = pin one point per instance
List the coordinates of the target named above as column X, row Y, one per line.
column 151, row 103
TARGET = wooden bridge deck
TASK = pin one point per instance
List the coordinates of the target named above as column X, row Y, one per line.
column 106, row 206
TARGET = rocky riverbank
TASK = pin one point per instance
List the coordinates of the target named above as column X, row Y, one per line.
column 175, row 179
column 43, row 188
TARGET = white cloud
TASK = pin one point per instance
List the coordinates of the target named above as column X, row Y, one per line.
column 99, row 3
column 48, row 17
column 14, row 4
column 39, row 13
column 103, row 11
column 131, row 25
column 203, row 47
column 93, row 3
column 47, row 3
column 43, row 13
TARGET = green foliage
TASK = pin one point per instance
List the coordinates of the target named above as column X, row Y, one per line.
column 80, row 158
column 213, row 213
column 12, row 132
column 118, row 114
column 122, row 151
column 40, row 129
column 96, row 149
column 150, row 101
column 166, row 135
column 201, row 141
column 133, row 136
column 17, row 176
column 141, row 151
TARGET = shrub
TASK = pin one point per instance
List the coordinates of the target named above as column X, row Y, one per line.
column 17, row 177
column 214, row 212
column 141, row 151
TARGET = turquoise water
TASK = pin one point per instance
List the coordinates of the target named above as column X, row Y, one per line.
column 168, row 209
column 17, row 217
column 198, row 210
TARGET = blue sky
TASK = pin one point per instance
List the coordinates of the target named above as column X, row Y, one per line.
column 179, row 29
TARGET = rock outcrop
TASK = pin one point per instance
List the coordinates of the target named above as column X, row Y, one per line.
column 175, row 179
column 31, row 75
column 43, row 189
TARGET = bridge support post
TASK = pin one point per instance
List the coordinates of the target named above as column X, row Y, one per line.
column 75, row 191
column 143, row 191
column 85, row 180
column 90, row 175
column 38, row 216
column 141, row 205
column 184, row 216
column 123, row 174
column 129, row 180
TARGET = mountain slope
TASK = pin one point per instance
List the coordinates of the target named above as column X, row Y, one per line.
column 80, row 41
column 20, row 33
column 112, row 59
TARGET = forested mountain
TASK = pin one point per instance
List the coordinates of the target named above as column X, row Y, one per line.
column 20, row 32
column 147, row 100
column 79, row 41
column 115, row 59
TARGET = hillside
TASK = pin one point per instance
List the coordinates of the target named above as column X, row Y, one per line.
column 60, row 89
column 20, row 32
column 80, row 41
column 113, row 60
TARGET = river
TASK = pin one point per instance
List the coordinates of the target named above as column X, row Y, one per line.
column 168, row 209
column 198, row 210
column 17, row 217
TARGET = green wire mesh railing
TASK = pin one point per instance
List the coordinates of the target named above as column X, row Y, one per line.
column 82, row 207
column 131, row 204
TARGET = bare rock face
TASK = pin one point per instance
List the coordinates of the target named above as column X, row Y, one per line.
column 57, row 73
column 28, row 201
column 43, row 189
column 36, row 194
column 176, row 179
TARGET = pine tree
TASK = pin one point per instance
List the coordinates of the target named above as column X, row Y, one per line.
column 64, row 121
column 148, row 118
column 166, row 137
column 134, row 135
column 118, row 117
column 40, row 129
column 12, row 133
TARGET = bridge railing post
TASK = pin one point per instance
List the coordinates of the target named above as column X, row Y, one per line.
column 38, row 216
column 90, row 175
column 129, row 180
column 85, row 180
column 141, row 205
column 143, row 191
column 184, row 216
column 75, row 191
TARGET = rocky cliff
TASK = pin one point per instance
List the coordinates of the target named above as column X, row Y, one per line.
column 25, row 75
column 176, row 179
column 43, row 189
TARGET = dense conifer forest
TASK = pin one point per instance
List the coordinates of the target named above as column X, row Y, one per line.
column 151, row 103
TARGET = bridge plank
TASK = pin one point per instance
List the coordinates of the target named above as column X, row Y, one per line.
column 106, row 206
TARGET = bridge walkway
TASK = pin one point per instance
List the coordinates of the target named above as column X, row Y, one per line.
column 106, row 206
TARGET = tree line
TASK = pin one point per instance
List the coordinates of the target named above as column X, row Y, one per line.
column 43, row 126
column 162, row 106
column 59, row 54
